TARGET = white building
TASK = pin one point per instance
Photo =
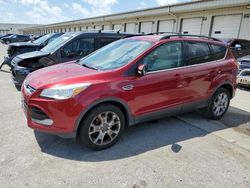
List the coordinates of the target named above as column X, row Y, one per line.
column 216, row 18
column 6, row 28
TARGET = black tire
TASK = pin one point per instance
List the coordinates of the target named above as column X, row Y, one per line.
column 86, row 138
column 210, row 111
column 7, row 42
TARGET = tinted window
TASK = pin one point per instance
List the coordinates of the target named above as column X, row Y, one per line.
column 105, row 41
column 166, row 56
column 245, row 45
column 218, row 52
column 198, row 52
column 81, row 47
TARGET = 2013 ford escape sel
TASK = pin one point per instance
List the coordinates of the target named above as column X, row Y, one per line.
column 130, row 81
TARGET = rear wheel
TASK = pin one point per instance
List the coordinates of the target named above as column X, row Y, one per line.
column 218, row 104
column 102, row 127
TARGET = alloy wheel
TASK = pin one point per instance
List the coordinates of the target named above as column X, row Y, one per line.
column 220, row 104
column 104, row 128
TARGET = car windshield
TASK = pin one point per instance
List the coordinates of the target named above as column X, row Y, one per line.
column 43, row 39
column 57, row 43
column 116, row 54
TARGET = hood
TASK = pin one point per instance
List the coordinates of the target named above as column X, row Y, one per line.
column 33, row 55
column 23, row 44
column 62, row 73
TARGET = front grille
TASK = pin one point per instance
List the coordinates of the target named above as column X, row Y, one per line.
column 245, row 63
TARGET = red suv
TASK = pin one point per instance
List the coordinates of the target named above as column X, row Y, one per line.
column 127, row 82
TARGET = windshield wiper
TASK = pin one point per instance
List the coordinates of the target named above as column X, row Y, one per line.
column 85, row 65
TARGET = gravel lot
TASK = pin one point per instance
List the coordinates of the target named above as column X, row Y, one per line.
column 183, row 151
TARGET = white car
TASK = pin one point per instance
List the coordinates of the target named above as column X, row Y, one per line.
column 243, row 78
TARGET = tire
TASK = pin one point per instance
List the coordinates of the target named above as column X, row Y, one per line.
column 98, row 130
column 218, row 104
column 7, row 42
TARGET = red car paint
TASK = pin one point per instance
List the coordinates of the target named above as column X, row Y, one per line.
column 151, row 93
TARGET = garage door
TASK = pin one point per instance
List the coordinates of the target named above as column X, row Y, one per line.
column 107, row 27
column 131, row 28
column 226, row 26
column 98, row 27
column 90, row 28
column 166, row 26
column 146, row 27
column 191, row 26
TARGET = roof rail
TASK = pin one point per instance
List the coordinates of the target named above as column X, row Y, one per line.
column 185, row 35
column 159, row 33
column 101, row 30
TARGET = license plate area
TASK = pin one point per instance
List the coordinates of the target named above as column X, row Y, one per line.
column 244, row 81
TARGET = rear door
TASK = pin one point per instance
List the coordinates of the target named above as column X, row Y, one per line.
column 198, row 71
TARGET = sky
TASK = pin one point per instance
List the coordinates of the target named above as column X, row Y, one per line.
column 53, row 11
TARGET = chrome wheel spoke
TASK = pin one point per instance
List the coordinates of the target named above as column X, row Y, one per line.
column 104, row 128
column 220, row 104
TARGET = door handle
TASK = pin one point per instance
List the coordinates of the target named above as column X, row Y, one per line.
column 128, row 87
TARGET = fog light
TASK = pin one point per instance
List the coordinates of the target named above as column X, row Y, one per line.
column 46, row 122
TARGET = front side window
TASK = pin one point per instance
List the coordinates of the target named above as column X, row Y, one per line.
column 198, row 52
column 78, row 48
column 167, row 56
column 116, row 54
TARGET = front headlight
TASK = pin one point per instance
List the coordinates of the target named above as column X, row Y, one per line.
column 64, row 92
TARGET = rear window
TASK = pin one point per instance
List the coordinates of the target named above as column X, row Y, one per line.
column 218, row 52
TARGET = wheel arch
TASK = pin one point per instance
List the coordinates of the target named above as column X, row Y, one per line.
column 228, row 86
column 114, row 101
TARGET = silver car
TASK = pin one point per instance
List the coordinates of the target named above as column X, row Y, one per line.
column 243, row 78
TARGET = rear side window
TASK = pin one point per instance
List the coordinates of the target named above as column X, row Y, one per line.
column 198, row 52
column 105, row 41
column 218, row 52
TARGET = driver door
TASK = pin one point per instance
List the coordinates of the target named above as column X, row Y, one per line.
column 160, row 88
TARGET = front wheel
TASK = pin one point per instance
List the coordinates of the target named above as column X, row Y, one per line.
column 218, row 104
column 102, row 127
column 7, row 42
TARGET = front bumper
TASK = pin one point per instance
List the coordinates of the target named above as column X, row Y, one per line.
column 62, row 113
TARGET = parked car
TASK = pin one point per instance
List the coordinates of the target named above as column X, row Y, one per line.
column 6, row 35
column 243, row 79
column 240, row 47
column 68, row 47
column 127, row 82
column 244, row 63
column 15, row 38
column 17, row 48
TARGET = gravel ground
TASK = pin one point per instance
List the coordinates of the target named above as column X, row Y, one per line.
column 183, row 151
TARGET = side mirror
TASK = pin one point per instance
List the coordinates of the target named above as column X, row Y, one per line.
column 142, row 70
column 237, row 47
